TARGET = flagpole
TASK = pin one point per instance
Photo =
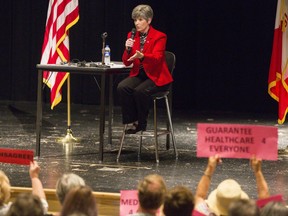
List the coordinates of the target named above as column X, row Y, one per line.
column 69, row 136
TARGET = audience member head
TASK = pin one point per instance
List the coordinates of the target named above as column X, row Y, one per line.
column 65, row 183
column 77, row 214
column 227, row 192
column 244, row 207
column 274, row 208
column 179, row 201
column 4, row 188
column 151, row 192
column 79, row 200
column 26, row 204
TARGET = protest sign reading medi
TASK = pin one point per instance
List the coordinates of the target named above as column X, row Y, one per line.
column 237, row 141
column 128, row 202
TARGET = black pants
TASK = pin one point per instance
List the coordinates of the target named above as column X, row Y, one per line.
column 135, row 97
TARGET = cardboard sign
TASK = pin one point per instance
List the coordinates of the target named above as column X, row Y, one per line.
column 276, row 198
column 16, row 156
column 196, row 213
column 237, row 141
column 128, row 202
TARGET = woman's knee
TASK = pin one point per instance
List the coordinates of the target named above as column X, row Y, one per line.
column 139, row 93
column 120, row 87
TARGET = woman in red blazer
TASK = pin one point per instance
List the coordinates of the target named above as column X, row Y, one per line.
column 145, row 49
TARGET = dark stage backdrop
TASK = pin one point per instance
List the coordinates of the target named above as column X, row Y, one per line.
column 223, row 49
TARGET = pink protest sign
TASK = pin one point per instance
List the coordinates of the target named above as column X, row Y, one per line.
column 128, row 202
column 276, row 198
column 196, row 213
column 237, row 141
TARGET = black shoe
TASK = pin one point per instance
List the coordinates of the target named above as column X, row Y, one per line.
column 136, row 129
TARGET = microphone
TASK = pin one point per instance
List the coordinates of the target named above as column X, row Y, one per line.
column 104, row 35
column 133, row 33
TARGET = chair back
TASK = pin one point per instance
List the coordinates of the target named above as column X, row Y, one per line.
column 170, row 60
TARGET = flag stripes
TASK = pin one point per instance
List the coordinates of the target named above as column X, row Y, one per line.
column 61, row 16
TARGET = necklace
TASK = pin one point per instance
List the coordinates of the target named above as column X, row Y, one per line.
column 143, row 37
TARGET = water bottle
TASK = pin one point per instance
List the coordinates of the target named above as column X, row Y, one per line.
column 107, row 54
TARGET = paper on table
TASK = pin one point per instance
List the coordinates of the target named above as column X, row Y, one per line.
column 119, row 65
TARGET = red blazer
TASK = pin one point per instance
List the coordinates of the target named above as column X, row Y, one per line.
column 154, row 62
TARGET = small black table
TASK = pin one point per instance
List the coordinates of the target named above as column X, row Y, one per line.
column 90, row 69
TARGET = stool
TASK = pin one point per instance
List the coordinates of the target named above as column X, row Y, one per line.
column 155, row 133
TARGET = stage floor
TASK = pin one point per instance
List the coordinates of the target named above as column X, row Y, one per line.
column 17, row 130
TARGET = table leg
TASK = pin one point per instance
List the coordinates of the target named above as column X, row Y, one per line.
column 39, row 112
column 102, row 117
column 111, row 105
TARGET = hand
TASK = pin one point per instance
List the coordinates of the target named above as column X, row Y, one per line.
column 255, row 164
column 129, row 43
column 212, row 164
column 138, row 54
column 34, row 169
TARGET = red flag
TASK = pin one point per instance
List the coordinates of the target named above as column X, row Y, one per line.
column 61, row 16
column 278, row 73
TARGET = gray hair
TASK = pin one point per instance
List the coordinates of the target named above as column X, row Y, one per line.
column 65, row 183
column 142, row 11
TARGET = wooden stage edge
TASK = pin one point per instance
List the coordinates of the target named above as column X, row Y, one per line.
column 107, row 203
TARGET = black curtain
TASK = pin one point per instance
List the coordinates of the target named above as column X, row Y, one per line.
column 223, row 49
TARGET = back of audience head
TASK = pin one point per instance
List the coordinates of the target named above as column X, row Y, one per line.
column 79, row 200
column 26, row 204
column 151, row 192
column 4, row 188
column 274, row 209
column 77, row 214
column 243, row 207
column 66, row 182
column 179, row 201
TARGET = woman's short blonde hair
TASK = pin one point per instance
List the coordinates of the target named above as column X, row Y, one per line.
column 142, row 11
column 4, row 188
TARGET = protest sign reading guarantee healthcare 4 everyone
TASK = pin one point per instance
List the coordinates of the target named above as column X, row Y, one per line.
column 237, row 141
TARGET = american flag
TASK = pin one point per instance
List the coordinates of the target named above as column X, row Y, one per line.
column 61, row 16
